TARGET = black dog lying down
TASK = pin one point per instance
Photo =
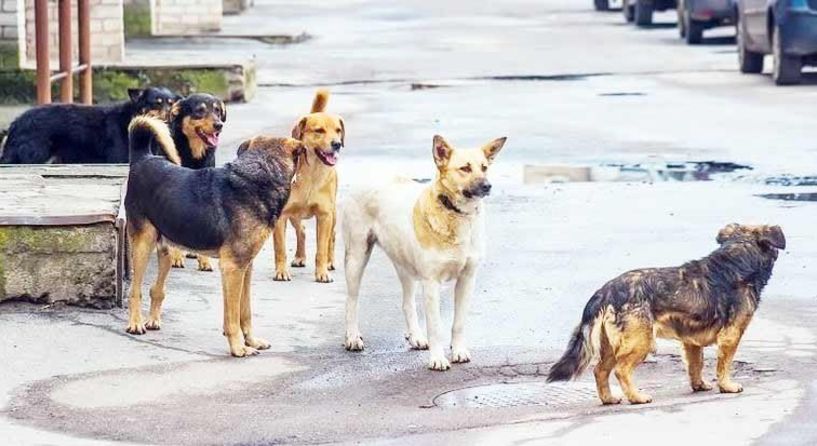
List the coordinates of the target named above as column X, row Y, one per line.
column 81, row 134
column 226, row 212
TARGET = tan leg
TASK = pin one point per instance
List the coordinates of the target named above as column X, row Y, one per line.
column 232, row 282
column 280, row 245
column 177, row 258
column 635, row 343
column 246, row 315
column 331, row 254
column 157, row 291
column 728, row 340
column 300, row 250
column 204, row 263
column 142, row 243
column 322, row 258
column 694, row 359
column 607, row 361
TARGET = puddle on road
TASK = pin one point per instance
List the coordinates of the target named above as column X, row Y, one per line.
column 806, row 196
column 638, row 172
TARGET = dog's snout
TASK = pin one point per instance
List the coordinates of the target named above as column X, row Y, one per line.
column 336, row 145
column 485, row 188
column 218, row 125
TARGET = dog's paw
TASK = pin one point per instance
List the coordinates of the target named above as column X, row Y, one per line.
column 282, row 276
column 701, row 387
column 257, row 343
column 640, row 398
column 136, row 328
column 460, row 355
column 298, row 263
column 354, row 342
column 177, row 262
column 439, row 363
column 153, row 324
column 730, row 387
column 204, row 263
column 243, row 351
column 323, row 277
column 611, row 400
column 417, row 342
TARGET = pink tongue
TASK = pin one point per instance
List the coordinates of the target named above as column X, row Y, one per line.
column 331, row 158
column 212, row 140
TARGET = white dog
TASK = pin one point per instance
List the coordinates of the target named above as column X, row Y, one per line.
column 432, row 234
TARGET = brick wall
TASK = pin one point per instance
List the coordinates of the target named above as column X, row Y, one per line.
column 186, row 17
column 107, row 33
column 8, row 20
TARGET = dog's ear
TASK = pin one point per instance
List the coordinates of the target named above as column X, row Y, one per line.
column 222, row 111
column 726, row 232
column 243, row 147
column 773, row 235
column 176, row 98
column 176, row 109
column 442, row 151
column 298, row 130
column 342, row 132
column 491, row 150
column 135, row 94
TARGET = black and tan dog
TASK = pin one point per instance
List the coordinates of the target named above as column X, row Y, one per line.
column 81, row 134
column 226, row 212
column 703, row 302
column 195, row 125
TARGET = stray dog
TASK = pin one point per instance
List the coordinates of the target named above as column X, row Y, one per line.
column 314, row 193
column 225, row 212
column 81, row 134
column 703, row 302
column 195, row 124
column 432, row 234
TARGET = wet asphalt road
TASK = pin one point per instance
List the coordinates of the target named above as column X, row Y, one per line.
column 566, row 85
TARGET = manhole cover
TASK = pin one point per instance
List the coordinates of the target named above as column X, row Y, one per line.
column 518, row 394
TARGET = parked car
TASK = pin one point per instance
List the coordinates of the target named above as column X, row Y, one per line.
column 696, row 16
column 640, row 11
column 786, row 29
column 606, row 5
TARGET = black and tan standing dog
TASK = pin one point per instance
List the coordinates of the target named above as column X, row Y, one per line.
column 703, row 302
column 81, row 134
column 195, row 125
column 225, row 212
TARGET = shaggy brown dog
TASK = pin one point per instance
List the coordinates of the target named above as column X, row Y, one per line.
column 314, row 193
column 703, row 302
column 226, row 212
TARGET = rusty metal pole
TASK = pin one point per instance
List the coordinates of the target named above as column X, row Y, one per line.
column 41, row 44
column 86, row 75
column 66, row 50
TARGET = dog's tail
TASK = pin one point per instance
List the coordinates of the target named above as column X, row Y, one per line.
column 320, row 101
column 583, row 344
column 145, row 129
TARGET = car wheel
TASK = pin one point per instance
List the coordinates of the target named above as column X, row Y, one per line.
column 601, row 5
column 786, row 68
column 629, row 11
column 643, row 13
column 750, row 61
column 694, row 30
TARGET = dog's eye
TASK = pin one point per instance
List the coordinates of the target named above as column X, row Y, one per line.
column 466, row 168
column 484, row 167
column 321, row 131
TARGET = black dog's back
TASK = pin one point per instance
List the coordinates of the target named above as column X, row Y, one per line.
column 79, row 134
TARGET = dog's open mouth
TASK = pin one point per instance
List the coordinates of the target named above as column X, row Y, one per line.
column 210, row 139
column 330, row 159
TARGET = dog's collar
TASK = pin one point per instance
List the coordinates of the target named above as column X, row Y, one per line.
column 446, row 202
